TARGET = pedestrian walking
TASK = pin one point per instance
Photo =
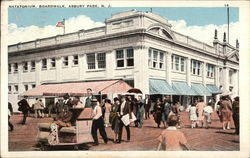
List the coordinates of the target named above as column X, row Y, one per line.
column 38, row 107
column 98, row 123
column 147, row 106
column 225, row 112
column 24, row 108
column 200, row 112
column 171, row 138
column 135, row 110
column 236, row 114
column 125, row 110
column 158, row 112
column 208, row 110
column 140, row 113
column 115, row 118
column 176, row 111
column 107, row 107
column 9, row 115
column 193, row 115
column 166, row 110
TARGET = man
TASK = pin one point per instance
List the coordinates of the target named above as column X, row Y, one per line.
column 24, row 108
column 38, row 106
column 141, row 111
column 89, row 98
column 77, row 102
column 98, row 123
column 10, row 113
column 64, row 119
column 124, row 110
column 166, row 110
column 236, row 114
column 147, row 105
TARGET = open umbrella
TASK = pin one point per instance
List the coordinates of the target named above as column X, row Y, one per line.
column 134, row 90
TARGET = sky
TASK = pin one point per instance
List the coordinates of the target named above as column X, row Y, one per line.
column 26, row 24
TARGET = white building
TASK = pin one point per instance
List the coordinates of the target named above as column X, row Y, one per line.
column 138, row 47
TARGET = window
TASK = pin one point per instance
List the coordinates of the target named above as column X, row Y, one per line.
column 149, row 58
column 65, row 61
column 231, row 72
column 33, row 65
column 16, row 88
column 75, row 59
column 44, row 64
column 9, row 89
column 196, row 67
column 130, row 57
column 9, row 68
column 91, row 61
column 25, row 66
column 125, row 57
column 178, row 63
column 53, row 62
column 101, row 60
column 210, row 70
column 26, row 87
column 156, row 59
column 15, row 67
column 33, row 85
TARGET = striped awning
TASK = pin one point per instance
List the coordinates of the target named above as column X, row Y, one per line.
column 182, row 88
column 158, row 86
column 200, row 89
column 214, row 89
column 79, row 88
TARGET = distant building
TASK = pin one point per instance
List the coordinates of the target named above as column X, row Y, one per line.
column 138, row 47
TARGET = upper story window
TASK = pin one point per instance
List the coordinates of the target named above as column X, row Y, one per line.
column 53, row 62
column 231, row 72
column 33, row 65
column 196, row 67
column 65, row 61
column 16, row 67
column 178, row 63
column 44, row 64
column 156, row 58
column 210, row 70
column 9, row 68
column 33, row 85
column 25, row 66
column 16, row 88
column 9, row 89
column 125, row 57
column 75, row 59
column 96, row 61
column 26, row 87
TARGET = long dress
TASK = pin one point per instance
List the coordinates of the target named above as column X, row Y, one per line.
column 158, row 113
column 114, row 118
column 226, row 110
column 192, row 113
column 200, row 108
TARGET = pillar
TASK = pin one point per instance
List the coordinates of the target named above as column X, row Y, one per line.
column 168, row 66
column 188, row 73
column 110, row 64
column 58, row 69
column 81, row 66
column 204, row 76
column 38, row 69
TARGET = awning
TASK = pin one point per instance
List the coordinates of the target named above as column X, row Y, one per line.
column 182, row 88
column 158, row 86
column 79, row 88
column 200, row 89
column 214, row 89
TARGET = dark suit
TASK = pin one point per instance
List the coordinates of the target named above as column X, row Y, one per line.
column 126, row 110
column 11, row 111
column 24, row 107
column 147, row 108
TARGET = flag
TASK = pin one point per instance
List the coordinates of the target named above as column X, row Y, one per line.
column 60, row 24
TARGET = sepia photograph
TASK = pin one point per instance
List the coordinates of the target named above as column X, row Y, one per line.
column 102, row 77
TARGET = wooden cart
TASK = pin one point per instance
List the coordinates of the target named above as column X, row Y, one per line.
column 49, row 135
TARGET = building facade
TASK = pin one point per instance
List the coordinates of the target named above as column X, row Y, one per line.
column 138, row 47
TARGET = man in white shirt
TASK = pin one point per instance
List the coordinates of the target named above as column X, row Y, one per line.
column 98, row 123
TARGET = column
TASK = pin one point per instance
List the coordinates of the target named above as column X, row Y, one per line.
column 20, row 78
column 235, row 84
column 168, row 66
column 81, row 67
column 204, row 76
column 188, row 73
column 216, row 76
column 225, row 79
column 38, row 68
column 58, row 69
column 110, row 64
column 141, row 77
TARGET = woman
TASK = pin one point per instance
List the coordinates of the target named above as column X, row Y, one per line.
column 115, row 118
column 200, row 111
column 225, row 112
column 158, row 112
column 176, row 111
column 107, row 106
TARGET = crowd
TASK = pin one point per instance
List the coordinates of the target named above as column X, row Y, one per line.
column 124, row 110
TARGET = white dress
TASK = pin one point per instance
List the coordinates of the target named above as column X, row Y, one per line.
column 192, row 113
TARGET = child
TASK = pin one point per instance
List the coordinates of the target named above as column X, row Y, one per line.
column 193, row 115
column 171, row 138
column 208, row 110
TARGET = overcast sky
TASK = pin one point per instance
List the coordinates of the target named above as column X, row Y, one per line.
column 27, row 24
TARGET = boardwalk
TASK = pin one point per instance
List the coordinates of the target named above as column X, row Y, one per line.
column 213, row 139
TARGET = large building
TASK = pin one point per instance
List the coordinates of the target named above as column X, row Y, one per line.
column 138, row 47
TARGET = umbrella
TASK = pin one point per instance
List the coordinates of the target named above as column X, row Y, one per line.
column 134, row 90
